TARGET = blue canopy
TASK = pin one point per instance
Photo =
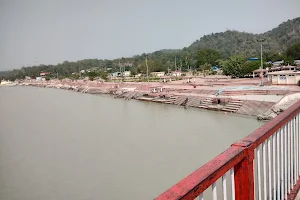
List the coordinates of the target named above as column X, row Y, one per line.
column 252, row 59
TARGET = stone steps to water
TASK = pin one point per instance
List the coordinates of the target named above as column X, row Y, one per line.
column 171, row 100
column 180, row 100
column 233, row 106
column 229, row 110
column 193, row 101
column 130, row 95
column 85, row 90
column 206, row 103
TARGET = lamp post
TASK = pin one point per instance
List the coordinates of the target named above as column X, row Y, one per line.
column 261, row 61
column 147, row 69
column 261, row 64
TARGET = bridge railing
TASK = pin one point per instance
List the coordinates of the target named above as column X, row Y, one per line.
column 263, row 165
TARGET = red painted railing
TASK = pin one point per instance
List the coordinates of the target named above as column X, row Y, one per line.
column 278, row 178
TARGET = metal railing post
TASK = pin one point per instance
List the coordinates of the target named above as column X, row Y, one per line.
column 244, row 174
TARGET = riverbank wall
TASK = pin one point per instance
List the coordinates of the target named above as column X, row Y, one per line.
column 227, row 101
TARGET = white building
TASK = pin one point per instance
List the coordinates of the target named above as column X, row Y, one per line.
column 176, row 73
column 137, row 75
column 127, row 73
column 157, row 74
column 287, row 77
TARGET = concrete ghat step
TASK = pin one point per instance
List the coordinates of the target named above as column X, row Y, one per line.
column 203, row 106
column 229, row 110
column 235, row 103
column 233, row 106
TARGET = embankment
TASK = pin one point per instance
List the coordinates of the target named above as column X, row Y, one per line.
column 201, row 97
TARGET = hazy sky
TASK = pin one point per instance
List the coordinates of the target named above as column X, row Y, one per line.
column 51, row 31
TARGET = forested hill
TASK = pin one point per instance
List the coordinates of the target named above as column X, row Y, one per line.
column 227, row 43
column 234, row 42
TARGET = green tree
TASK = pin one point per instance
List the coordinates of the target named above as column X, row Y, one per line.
column 92, row 75
column 234, row 66
column 205, row 68
column 103, row 75
column 272, row 56
column 288, row 60
column 293, row 52
column 250, row 66
column 207, row 56
column 75, row 76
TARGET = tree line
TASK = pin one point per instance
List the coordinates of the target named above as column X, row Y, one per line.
column 235, row 65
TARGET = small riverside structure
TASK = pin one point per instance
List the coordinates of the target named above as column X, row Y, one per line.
column 286, row 77
column 263, row 165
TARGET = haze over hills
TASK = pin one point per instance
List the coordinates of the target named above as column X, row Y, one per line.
column 230, row 42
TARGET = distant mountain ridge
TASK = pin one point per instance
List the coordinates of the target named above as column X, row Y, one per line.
column 235, row 42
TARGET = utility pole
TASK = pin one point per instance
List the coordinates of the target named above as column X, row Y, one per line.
column 180, row 64
column 175, row 64
column 261, row 61
column 261, row 58
column 79, row 73
column 147, row 69
column 186, row 64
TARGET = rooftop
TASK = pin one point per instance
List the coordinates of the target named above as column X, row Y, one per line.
column 260, row 70
column 284, row 72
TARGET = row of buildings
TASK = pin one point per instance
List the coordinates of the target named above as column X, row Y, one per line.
column 279, row 74
column 152, row 74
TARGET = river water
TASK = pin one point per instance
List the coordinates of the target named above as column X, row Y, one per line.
column 59, row 145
